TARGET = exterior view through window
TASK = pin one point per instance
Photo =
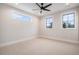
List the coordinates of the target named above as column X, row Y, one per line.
column 49, row 22
column 69, row 20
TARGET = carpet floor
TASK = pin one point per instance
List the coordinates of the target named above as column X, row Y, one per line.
column 41, row 46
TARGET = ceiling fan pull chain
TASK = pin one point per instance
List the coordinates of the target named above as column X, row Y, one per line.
column 41, row 11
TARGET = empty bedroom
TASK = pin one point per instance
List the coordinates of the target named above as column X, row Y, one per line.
column 39, row 28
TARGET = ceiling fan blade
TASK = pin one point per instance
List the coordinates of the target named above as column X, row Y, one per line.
column 47, row 5
column 35, row 9
column 38, row 5
column 46, row 9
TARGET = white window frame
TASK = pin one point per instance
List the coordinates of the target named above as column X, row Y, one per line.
column 46, row 22
column 69, row 12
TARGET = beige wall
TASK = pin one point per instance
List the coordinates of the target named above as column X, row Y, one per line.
column 12, row 29
column 78, row 22
column 57, row 32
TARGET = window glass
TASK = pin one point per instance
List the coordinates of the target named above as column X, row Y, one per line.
column 49, row 22
column 69, row 20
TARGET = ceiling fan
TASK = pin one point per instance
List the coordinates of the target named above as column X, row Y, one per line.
column 42, row 7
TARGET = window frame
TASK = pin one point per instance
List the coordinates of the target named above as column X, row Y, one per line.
column 74, row 19
column 46, row 22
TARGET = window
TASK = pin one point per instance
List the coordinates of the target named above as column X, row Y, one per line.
column 69, row 20
column 49, row 22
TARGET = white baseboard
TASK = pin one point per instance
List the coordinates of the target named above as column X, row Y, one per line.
column 17, row 41
column 60, row 39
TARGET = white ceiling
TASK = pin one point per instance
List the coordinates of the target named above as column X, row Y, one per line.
column 55, row 7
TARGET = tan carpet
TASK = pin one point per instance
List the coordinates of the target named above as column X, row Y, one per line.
column 41, row 46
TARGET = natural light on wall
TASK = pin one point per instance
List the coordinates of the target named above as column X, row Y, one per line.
column 21, row 17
